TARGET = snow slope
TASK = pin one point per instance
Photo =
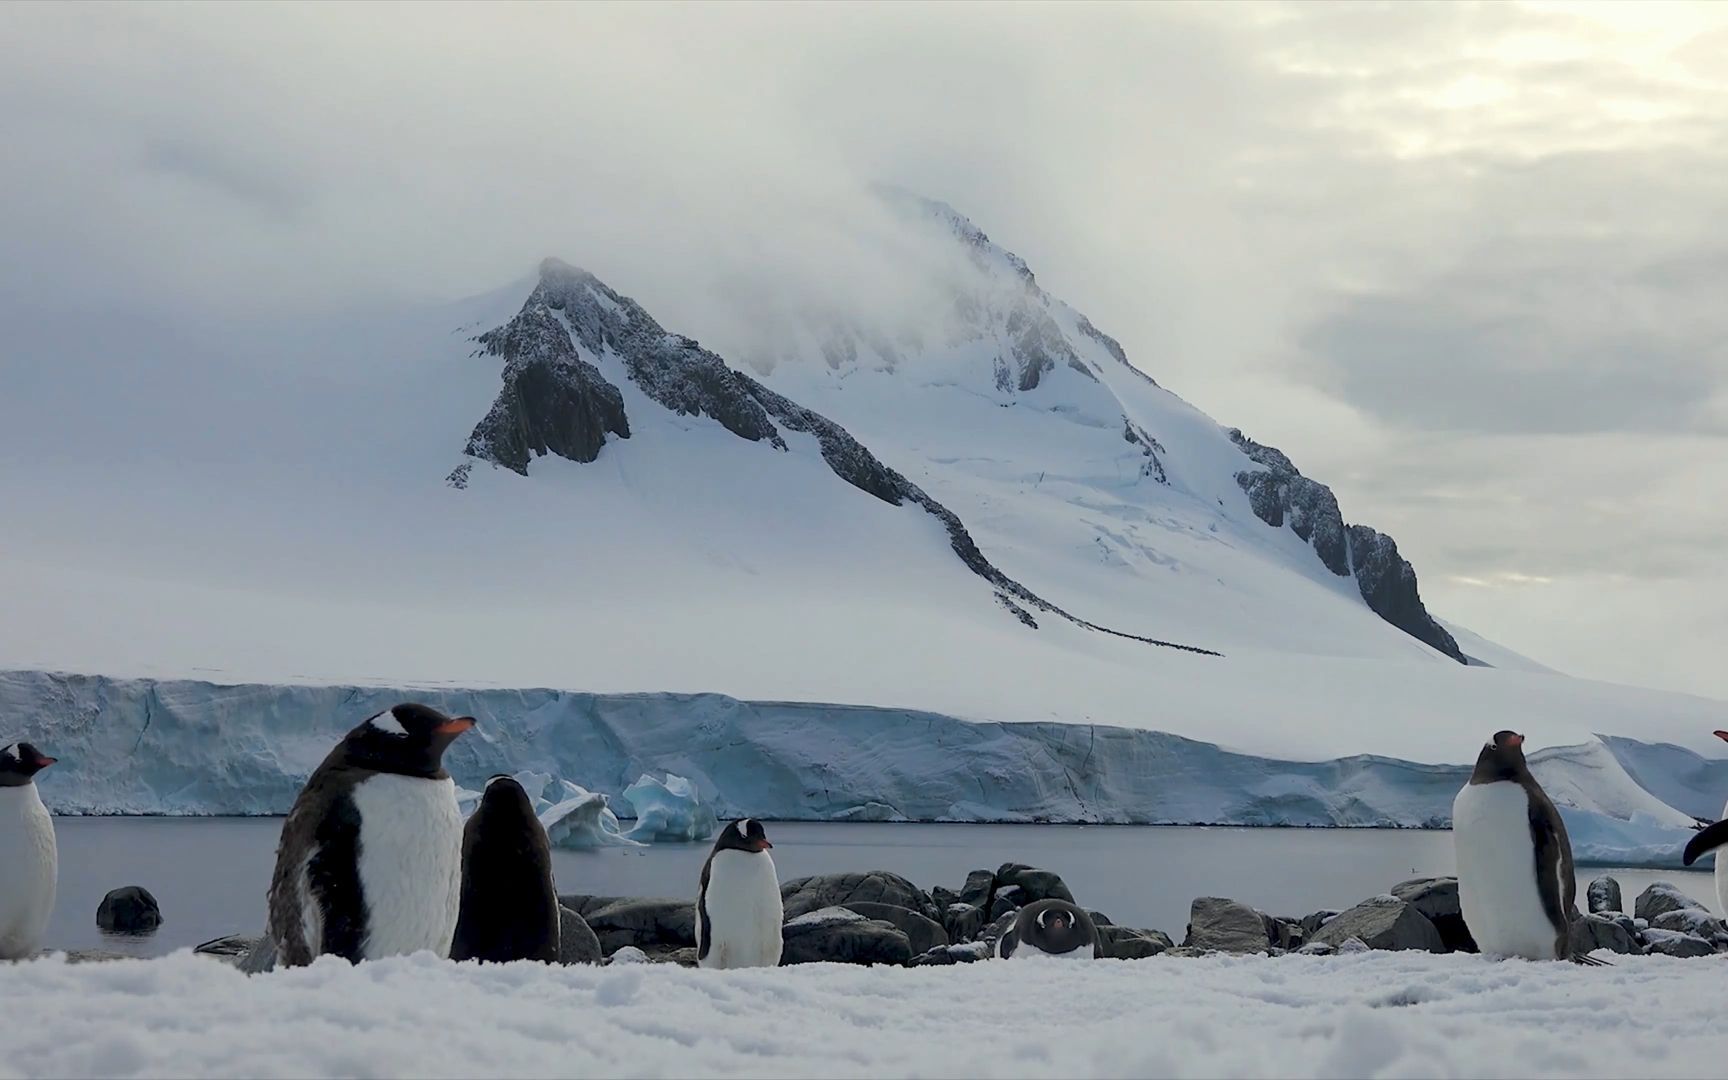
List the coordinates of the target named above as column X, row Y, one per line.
column 1362, row 1015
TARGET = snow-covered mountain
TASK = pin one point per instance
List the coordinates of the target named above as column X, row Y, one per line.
column 973, row 509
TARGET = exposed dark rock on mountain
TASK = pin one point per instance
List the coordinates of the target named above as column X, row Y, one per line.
column 1279, row 493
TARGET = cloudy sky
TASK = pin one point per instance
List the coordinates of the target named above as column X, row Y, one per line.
column 1465, row 263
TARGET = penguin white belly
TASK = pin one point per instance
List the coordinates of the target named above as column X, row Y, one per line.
column 410, row 863
column 1722, row 876
column 1028, row 950
column 1497, row 886
column 31, row 864
column 744, row 911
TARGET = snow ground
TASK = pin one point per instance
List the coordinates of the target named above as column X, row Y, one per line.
column 1364, row 1015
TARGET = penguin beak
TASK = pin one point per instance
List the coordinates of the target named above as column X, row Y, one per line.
column 1515, row 740
column 455, row 727
column 763, row 844
column 1723, row 735
column 43, row 761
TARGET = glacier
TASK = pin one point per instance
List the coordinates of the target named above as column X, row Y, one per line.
column 190, row 747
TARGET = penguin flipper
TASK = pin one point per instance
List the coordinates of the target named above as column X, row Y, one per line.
column 1555, row 880
column 704, row 931
column 1708, row 838
column 1006, row 944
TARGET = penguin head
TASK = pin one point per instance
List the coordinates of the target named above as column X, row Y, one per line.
column 504, row 791
column 19, row 764
column 1054, row 926
column 1502, row 757
column 408, row 739
column 743, row 835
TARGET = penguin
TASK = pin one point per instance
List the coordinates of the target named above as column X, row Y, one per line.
column 1049, row 928
column 738, row 912
column 29, row 857
column 370, row 860
column 1710, row 838
column 1515, row 879
column 509, row 900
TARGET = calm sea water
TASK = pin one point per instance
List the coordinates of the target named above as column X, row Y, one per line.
column 210, row 874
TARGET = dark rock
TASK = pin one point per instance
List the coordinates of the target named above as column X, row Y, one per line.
column 1691, row 921
column 1384, row 922
column 1311, row 923
column 804, row 895
column 962, row 922
column 1595, row 931
column 980, row 884
column 1385, row 579
column 642, row 922
column 1436, row 899
column 923, row 934
column 1222, row 925
column 838, row 935
column 966, row 953
column 1123, row 943
column 996, row 928
column 682, row 955
column 1604, row 896
column 1284, row 933
column 129, row 910
column 1099, row 918
column 1661, row 898
column 577, row 942
column 943, row 898
column 1671, row 943
column 1008, row 899
column 1034, row 884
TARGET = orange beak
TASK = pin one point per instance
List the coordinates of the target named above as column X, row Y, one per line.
column 42, row 761
column 763, row 844
column 456, row 726
column 1723, row 735
column 1515, row 740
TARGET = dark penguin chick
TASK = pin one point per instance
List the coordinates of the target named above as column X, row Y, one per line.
column 1050, row 928
column 1710, row 838
column 369, row 864
column 1515, row 879
column 738, row 909
column 509, row 899
column 29, row 855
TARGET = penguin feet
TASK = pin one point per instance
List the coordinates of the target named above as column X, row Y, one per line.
column 1585, row 960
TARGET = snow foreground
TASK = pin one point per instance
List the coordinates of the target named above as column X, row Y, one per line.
column 1364, row 1015
column 138, row 746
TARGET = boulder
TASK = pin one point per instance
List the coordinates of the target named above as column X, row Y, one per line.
column 1123, row 943
column 129, row 910
column 924, row 934
column 1007, row 901
column 979, row 885
column 1673, row 943
column 962, row 922
column 1691, row 921
column 1284, row 933
column 642, row 922
column 1598, row 931
column 1352, row 945
column 577, row 942
column 1603, row 896
column 1221, row 925
column 1311, row 923
column 1316, row 948
column 839, row 935
column 1661, row 898
column 1034, row 884
column 804, row 895
column 1383, row 922
column 1436, row 899
column 1099, row 918
column 996, row 928
column 629, row 954
column 965, row 953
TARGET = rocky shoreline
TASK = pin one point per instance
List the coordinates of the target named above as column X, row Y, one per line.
column 878, row 917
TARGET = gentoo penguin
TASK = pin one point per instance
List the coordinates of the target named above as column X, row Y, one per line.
column 1050, row 928
column 1515, row 880
column 509, row 900
column 738, row 911
column 1709, row 839
column 29, row 858
column 370, row 861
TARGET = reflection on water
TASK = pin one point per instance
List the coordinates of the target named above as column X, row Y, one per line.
column 210, row 874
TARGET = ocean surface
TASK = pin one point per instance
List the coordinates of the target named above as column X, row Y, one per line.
column 210, row 874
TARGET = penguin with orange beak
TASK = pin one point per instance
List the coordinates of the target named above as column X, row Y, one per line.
column 1710, row 838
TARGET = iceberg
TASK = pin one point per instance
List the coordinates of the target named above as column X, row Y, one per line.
column 584, row 819
column 669, row 810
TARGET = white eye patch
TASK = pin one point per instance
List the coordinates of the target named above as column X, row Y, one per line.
column 745, row 826
column 11, row 752
column 501, row 776
column 386, row 722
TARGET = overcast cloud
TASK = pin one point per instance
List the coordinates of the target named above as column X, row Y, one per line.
column 1465, row 263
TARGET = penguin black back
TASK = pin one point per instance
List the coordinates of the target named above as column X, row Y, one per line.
column 509, row 899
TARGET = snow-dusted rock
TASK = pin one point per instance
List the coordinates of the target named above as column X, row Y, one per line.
column 839, row 935
column 1124, row 943
column 966, row 952
column 641, row 921
column 1660, row 898
column 921, row 932
column 1034, row 884
column 962, row 922
column 1604, row 895
column 1436, row 899
column 1221, row 925
column 1593, row 931
column 577, row 942
column 668, row 810
column 1383, row 922
column 1693, row 920
column 1674, row 943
